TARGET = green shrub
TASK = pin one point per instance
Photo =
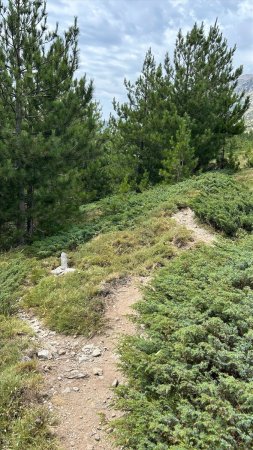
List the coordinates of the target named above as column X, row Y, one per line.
column 120, row 212
column 190, row 375
column 224, row 203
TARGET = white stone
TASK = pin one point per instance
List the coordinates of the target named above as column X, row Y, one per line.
column 66, row 391
column 64, row 261
column 44, row 354
column 96, row 352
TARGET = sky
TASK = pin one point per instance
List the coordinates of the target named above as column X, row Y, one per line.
column 116, row 34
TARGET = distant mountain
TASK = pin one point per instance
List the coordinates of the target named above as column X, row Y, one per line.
column 246, row 84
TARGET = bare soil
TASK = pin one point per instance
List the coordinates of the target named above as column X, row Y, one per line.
column 187, row 218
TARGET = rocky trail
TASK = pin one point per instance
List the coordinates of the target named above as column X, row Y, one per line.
column 80, row 373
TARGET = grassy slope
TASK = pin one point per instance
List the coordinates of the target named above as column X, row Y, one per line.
column 118, row 236
column 192, row 372
column 23, row 422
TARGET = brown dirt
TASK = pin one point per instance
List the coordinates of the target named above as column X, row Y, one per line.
column 187, row 218
column 78, row 403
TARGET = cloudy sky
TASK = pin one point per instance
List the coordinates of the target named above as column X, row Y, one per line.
column 115, row 34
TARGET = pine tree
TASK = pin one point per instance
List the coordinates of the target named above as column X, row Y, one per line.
column 142, row 122
column 43, row 107
column 204, row 88
column 179, row 161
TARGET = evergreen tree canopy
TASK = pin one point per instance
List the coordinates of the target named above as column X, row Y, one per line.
column 43, row 109
column 199, row 87
column 143, row 122
column 204, row 89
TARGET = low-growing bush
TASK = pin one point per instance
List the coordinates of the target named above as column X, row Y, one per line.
column 190, row 373
column 224, row 203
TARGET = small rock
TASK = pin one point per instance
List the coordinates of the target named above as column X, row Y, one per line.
column 47, row 368
column 44, row 354
column 76, row 375
column 97, row 371
column 96, row 352
column 26, row 359
column 76, row 389
column 62, row 352
column 115, row 383
column 88, row 349
column 97, row 437
column 83, row 358
column 66, row 391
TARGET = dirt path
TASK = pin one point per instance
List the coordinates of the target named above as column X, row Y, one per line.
column 187, row 218
column 79, row 373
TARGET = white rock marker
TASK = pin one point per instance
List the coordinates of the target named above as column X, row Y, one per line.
column 64, row 261
column 63, row 268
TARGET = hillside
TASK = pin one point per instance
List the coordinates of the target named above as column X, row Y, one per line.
column 245, row 83
column 120, row 240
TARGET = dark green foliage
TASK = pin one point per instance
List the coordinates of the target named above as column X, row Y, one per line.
column 144, row 124
column 205, row 83
column 180, row 160
column 49, row 128
column 190, row 374
column 125, row 211
column 179, row 117
column 224, row 203
column 118, row 212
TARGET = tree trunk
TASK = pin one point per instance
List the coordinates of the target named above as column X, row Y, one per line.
column 30, row 203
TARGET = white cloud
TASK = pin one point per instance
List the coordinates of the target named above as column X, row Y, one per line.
column 115, row 34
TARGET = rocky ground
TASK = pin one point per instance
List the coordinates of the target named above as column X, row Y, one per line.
column 80, row 374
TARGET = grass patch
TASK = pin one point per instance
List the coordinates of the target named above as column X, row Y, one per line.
column 217, row 198
column 74, row 303
column 117, row 213
column 24, row 423
column 190, row 374
column 246, row 176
